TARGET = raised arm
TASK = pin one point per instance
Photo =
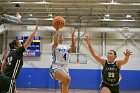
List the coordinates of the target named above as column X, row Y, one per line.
column 98, row 59
column 127, row 53
column 30, row 38
column 72, row 49
column 4, row 62
column 55, row 40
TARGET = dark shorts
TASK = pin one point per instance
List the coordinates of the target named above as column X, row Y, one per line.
column 113, row 89
column 6, row 83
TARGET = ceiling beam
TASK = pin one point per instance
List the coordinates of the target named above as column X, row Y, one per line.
column 74, row 4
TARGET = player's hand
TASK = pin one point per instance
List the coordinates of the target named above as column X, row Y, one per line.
column 127, row 52
column 88, row 40
column 57, row 26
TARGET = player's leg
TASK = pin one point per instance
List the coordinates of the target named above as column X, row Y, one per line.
column 15, row 90
column 64, row 78
column 12, row 87
column 105, row 90
column 60, row 84
column 115, row 89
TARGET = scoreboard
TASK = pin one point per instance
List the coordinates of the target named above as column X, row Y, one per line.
column 34, row 48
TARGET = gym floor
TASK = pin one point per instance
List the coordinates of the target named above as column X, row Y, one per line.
column 70, row 91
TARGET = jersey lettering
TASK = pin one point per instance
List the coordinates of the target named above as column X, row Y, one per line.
column 65, row 56
column 111, row 74
column 9, row 59
column 60, row 54
column 54, row 56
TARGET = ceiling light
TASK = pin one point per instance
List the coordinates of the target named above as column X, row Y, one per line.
column 112, row 1
column 32, row 18
column 44, row 1
column 30, row 15
column 128, row 16
column 105, row 19
column 50, row 15
column 107, row 15
column 49, row 18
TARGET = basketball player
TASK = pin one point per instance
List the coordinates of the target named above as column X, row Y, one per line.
column 60, row 55
column 111, row 68
column 5, row 54
column 15, row 61
column 4, row 63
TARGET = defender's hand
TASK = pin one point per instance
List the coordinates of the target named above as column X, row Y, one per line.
column 127, row 52
column 88, row 40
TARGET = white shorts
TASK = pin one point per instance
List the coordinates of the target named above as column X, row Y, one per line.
column 55, row 67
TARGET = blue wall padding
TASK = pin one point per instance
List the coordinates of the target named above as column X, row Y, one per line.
column 80, row 79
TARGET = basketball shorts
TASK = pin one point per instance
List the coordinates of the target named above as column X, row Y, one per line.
column 113, row 89
column 6, row 83
column 55, row 67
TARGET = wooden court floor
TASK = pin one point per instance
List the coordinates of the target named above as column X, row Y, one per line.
column 58, row 91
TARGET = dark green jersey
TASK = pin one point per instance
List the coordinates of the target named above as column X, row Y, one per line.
column 111, row 73
column 0, row 65
column 15, row 61
column 0, row 62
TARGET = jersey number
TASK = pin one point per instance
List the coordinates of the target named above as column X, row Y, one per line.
column 65, row 56
column 111, row 74
column 9, row 59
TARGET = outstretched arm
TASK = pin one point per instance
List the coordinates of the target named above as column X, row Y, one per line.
column 55, row 40
column 73, row 49
column 127, row 53
column 30, row 38
column 98, row 59
column 4, row 62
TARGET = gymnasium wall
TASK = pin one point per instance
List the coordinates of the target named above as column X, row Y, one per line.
column 35, row 72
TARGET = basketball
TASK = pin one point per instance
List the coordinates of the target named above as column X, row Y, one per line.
column 58, row 22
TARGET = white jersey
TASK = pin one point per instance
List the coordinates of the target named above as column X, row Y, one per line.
column 60, row 54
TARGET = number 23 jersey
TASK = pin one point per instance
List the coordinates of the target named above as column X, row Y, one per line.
column 111, row 73
column 61, row 54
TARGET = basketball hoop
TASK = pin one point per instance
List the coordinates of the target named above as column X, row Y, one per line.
column 78, row 58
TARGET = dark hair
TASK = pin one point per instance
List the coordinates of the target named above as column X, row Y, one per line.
column 114, row 52
column 13, row 44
